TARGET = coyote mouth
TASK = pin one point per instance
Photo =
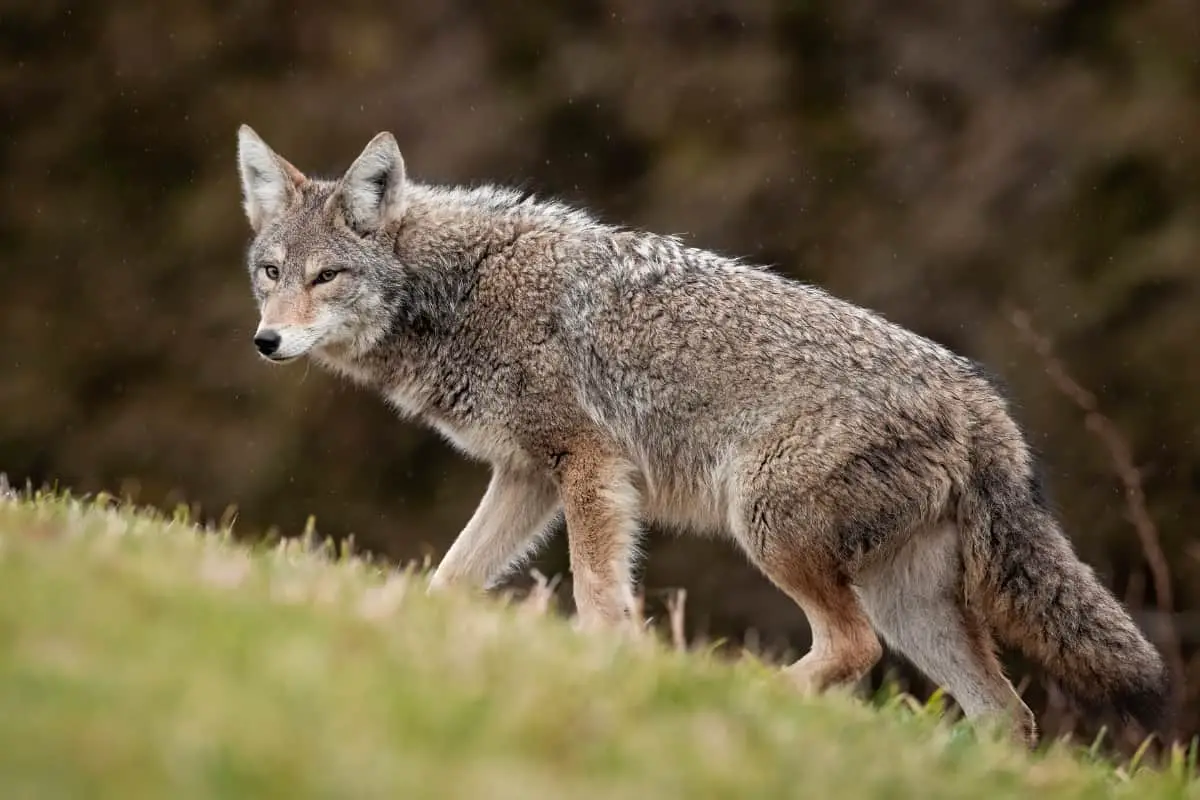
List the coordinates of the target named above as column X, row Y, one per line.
column 279, row 360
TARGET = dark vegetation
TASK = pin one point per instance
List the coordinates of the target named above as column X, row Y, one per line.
column 943, row 163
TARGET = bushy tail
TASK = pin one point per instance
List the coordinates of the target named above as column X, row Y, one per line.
column 1038, row 597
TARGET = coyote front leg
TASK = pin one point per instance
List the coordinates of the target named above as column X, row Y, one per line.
column 601, row 506
column 516, row 509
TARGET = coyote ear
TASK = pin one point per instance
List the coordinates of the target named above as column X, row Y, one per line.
column 371, row 193
column 269, row 183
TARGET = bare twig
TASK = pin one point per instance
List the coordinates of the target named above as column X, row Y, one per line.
column 675, row 605
column 1121, row 455
column 541, row 594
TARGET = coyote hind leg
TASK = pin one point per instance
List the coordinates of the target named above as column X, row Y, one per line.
column 915, row 601
column 844, row 644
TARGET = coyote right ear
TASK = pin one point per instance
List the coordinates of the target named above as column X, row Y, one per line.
column 269, row 183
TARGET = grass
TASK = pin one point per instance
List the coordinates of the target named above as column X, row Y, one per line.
column 143, row 657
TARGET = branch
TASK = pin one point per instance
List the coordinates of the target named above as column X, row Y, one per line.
column 1121, row 456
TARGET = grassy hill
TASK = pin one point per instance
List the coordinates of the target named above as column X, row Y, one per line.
column 143, row 657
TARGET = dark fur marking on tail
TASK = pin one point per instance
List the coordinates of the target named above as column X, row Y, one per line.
column 1147, row 704
column 995, row 488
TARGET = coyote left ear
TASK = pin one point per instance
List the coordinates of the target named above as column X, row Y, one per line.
column 372, row 190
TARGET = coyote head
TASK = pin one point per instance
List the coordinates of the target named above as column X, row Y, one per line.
column 322, row 266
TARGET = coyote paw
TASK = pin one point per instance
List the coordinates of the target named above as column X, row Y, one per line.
column 803, row 678
column 591, row 622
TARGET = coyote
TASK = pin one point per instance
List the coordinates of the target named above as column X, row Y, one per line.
column 619, row 377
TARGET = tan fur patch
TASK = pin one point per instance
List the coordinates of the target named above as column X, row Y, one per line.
column 290, row 309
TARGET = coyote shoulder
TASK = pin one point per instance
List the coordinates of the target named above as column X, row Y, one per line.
column 619, row 377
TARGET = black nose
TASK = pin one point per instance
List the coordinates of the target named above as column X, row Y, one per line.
column 267, row 342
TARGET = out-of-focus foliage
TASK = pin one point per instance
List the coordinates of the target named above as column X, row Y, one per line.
column 935, row 161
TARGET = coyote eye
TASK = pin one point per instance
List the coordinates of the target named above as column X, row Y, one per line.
column 325, row 276
column 271, row 271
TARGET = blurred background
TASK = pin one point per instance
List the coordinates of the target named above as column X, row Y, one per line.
column 943, row 163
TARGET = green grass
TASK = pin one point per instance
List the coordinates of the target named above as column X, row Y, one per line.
column 143, row 657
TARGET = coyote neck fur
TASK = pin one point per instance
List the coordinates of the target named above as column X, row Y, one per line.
column 456, row 252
